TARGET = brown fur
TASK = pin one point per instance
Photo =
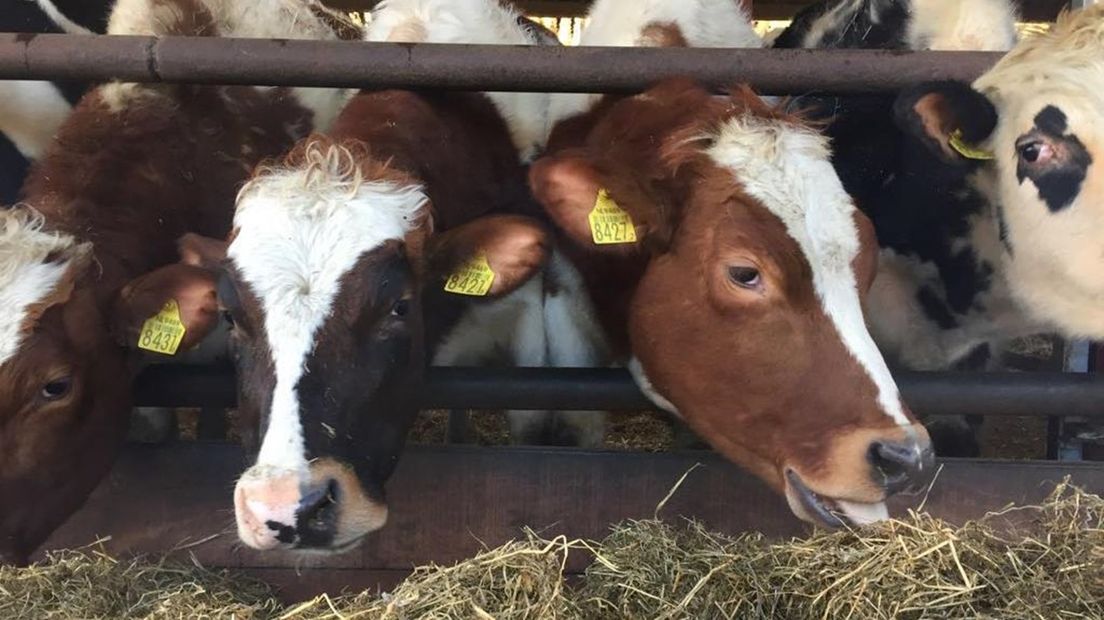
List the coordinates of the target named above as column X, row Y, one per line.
column 761, row 374
column 130, row 182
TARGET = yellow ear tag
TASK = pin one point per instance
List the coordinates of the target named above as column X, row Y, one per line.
column 966, row 150
column 609, row 223
column 164, row 331
column 472, row 278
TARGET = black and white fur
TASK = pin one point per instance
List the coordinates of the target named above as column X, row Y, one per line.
column 939, row 300
column 31, row 111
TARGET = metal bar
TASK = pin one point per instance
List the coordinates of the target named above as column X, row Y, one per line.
column 565, row 389
column 469, row 67
column 1030, row 10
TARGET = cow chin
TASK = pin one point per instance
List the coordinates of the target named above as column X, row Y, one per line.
column 321, row 510
column 808, row 505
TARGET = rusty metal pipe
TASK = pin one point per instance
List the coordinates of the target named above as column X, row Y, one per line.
column 469, row 67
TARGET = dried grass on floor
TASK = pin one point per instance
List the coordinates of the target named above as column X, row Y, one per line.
column 1050, row 564
column 89, row 585
column 518, row 581
column 1031, row 563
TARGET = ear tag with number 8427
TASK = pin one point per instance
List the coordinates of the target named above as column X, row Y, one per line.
column 474, row 278
column 164, row 331
column 609, row 223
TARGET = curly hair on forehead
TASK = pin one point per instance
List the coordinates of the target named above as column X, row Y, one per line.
column 24, row 241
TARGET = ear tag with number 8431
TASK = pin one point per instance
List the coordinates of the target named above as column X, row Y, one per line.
column 164, row 331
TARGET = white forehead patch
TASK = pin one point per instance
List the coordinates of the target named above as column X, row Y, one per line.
column 787, row 169
column 26, row 277
column 299, row 231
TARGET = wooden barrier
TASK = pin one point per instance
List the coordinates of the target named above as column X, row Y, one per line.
column 446, row 502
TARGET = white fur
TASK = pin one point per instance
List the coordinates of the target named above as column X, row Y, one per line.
column 25, row 276
column 958, row 25
column 30, row 114
column 835, row 19
column 787, row 169
column 67, row 25
column 298, row 232
column 261, row 19
column 1057, row 258
column 640, row 377
column 468, row 22
column 621, row 23
column 534, row 328
column 932, row 25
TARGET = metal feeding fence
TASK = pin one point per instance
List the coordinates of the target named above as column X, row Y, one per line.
column 439, row 495
column 516, row 68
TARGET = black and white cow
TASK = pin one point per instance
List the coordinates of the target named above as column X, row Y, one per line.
column 941, row 299
column 31, row 111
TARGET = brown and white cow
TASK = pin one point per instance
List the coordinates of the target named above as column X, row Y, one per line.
column 334, row 278
column 738, row 305
column 90, row 256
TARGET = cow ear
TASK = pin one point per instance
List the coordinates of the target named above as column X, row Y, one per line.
column 491, row 256
column 151, row 310
column 950, row 118
column 203, row 252
column 595, row 216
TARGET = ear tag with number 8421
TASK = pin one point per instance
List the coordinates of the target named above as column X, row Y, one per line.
column 609, row 223
column 474, row 278
column 164, row 331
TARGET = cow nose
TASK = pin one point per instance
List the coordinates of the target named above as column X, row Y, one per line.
column 902, row 465
column 317, row 514
column 266, row 506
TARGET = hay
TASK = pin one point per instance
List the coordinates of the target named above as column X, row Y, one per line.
column 89, row 585
column 1034, row 563
column 518, row 581
column 1030, row 563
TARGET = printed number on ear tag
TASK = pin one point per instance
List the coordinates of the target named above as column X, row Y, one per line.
column 472, row 278
column 609, row 223
column 164, row 331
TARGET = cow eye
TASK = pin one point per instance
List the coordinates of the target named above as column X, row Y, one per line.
column 401, row 308
column 743, row 276
column 1034, row 151
column 57, row 389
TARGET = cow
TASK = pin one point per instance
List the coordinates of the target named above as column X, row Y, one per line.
column 31, row 111
column 546, row 322
column 940, row 300
column 726, row 265
column 359, row 258
column 88, row 270
column 1032, row 120
column 1027, row 131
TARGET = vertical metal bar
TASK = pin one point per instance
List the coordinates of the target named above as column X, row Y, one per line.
column 458, row 426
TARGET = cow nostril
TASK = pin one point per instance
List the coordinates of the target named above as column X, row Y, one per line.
column 317, row 508
column 900, row 464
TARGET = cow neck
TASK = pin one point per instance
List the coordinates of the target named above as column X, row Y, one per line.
column 133, row 181
column 456, row 144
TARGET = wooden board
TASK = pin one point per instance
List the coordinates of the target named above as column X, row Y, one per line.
column 447, row 501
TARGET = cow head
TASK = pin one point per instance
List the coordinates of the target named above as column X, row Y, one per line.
column 64, row 372
column 321, row 281
column 1035, row 118
column 744, row 316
